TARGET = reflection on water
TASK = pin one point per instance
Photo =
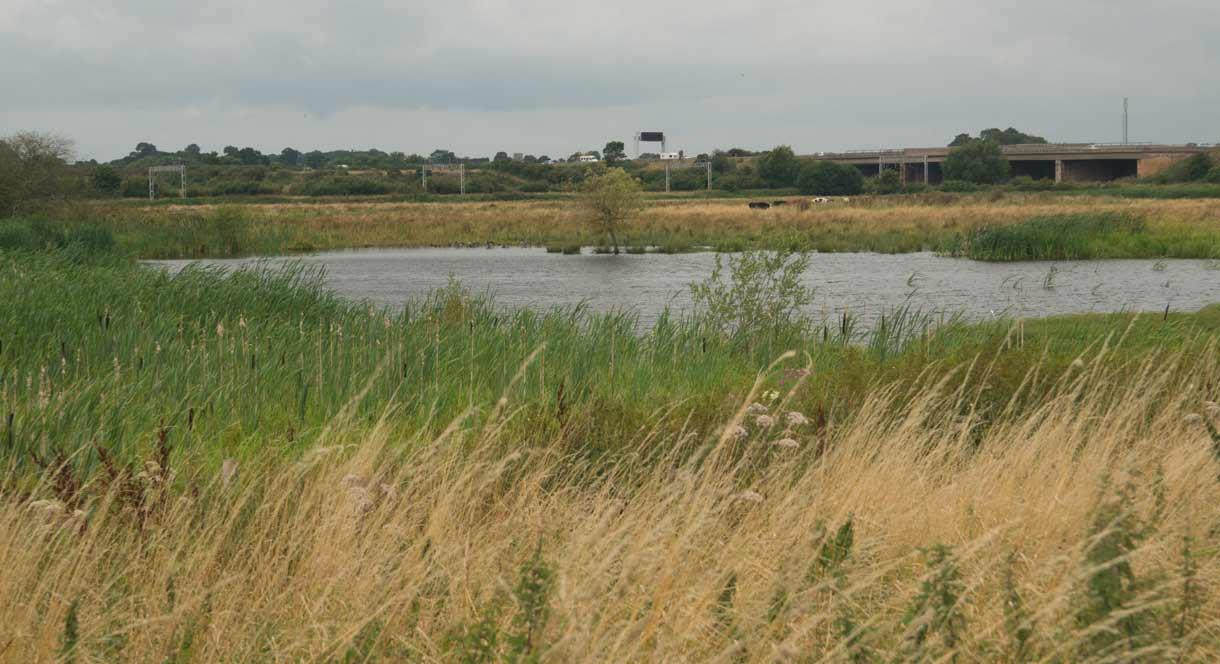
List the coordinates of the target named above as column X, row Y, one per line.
column 865, row 284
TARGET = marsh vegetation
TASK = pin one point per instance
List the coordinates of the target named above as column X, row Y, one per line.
column 244, row 467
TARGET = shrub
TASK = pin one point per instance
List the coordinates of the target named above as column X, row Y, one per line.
column 763, row 294
column 960, row 186
column 1192, row 169
column 1027, row 183
column 981, row 162
column 135, row 187
column 106, row 181
column 33, row 168
column 779, row 167
column 827, row 178
column 888, row 182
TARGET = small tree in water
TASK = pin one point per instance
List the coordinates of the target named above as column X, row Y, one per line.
column 763, row 294
column 609, row 201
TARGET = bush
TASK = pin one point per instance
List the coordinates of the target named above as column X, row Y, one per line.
column 741, row 179
column 779, row 167
column 134, row 187
column 980, row 162
column 106, row 181
column 33, row 170
column 888, row 182
column 1026, row 183
column 1192, row 169
column 762, row 296
column 960, row 186
column 827, row 178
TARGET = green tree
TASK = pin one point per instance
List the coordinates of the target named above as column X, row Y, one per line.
column 888, row 182
column 192, row 150
column 145, row 150
column 961, row 139
column 1193, row 168
column 1010, row 136
column 500, row 156
column 33, row 168
column 609, row 201
column 827, row 178
column 980, row 162
column 614, row 152
column 779, row 167
column 315, row 159
column 250, row 157
column 722, row 162
column 290, row 157
column 106, row 180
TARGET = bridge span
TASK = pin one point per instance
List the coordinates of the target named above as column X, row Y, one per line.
column 1064, row 162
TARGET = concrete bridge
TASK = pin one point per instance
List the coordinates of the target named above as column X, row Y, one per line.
column 1064, row 162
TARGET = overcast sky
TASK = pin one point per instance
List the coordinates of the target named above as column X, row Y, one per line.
column 556, row 76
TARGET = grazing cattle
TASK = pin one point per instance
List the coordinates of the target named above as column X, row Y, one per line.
column 779, row 202
column 759, row 205
column 821, row 200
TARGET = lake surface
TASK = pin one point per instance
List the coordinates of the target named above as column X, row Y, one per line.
column 865, row 284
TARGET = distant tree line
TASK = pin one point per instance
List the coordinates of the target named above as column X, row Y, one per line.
column 1008, row 136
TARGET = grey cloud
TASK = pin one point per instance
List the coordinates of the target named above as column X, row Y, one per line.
column 827, row 74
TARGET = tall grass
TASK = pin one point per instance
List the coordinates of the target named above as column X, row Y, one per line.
column 1080, row 530
column 244, row 467
column 104, row 355
column 1081, row 236
column 923, row 222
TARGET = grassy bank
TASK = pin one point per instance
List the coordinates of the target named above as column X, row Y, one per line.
column 245, row 468
column 931, row 222
column 103, row 352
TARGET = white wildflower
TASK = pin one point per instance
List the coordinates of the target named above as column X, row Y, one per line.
column 352, row 480
column 757, row 409
column 1193, row 418
column 228, row 471
column 359, row 499
column 1077, row 363
column 48, row 508
column 795, row 419
column 788, row 443
column 770, row 395
column 751, row 496
column 220, row 329
column 738, row 432
column 764, row 421
column 151, row 472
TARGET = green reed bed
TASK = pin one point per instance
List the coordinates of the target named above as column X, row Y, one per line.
column 1082, row 236
column 101, row 354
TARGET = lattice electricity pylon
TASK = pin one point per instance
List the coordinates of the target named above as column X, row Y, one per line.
column 180, row 169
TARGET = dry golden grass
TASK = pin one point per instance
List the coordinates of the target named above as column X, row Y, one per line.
column 862, row 224
column 372, row 549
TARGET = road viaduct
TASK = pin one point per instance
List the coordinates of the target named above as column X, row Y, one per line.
column 1064, row 162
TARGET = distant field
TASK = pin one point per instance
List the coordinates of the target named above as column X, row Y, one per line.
column 1186, row 228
